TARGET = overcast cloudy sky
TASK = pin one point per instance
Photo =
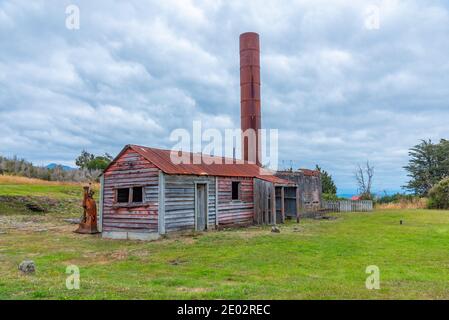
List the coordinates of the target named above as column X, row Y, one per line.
column 340, row 91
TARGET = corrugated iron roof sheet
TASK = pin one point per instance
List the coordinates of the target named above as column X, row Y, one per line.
column 204, row 165
column 306, row 172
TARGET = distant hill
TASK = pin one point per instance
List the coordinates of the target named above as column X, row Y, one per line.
column 54, row 165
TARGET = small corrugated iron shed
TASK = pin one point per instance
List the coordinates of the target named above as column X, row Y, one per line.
column 144, row 193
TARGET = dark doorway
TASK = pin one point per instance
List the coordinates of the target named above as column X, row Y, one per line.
column 235, row 190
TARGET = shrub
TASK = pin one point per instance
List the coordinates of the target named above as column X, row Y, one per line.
column 400, row 201
column 439, row 195
column 395, row 198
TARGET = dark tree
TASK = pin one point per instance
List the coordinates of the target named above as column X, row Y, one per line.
column 428, row 165
column 91, row 162
column 327, row 183
column 84, row 159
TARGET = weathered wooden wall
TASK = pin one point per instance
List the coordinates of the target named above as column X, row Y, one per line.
column 264, row 202
column 130, row 170
column 309, row 187
column 237, row 212
column 289, row 207
column 176, row 211
column 180, row 202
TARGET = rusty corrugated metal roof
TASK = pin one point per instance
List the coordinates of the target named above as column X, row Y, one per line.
column 306, row 172
column 206, row 166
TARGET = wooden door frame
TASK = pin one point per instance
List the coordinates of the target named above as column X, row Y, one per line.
column 206, row 183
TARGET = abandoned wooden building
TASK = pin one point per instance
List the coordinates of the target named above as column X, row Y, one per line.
column 144, row 194
column 309, row 188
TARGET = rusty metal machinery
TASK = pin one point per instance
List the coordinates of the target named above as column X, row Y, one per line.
column 88, row 224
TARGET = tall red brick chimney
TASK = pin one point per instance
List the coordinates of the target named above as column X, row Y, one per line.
column 250, row 95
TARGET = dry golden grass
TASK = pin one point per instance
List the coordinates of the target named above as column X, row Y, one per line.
column 419, row 203
column 6, row 179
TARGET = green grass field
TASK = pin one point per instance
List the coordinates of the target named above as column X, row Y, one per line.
column 316, row 259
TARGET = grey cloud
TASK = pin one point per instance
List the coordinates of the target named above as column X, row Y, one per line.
column 339, row 94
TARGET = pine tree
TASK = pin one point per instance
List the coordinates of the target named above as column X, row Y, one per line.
column 327, row 183
column 428, row 165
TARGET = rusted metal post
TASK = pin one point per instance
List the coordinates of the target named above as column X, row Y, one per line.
column 88, row 225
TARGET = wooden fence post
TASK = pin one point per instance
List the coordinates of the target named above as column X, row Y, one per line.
column 282, row 205
column 273, row 205
column 298, row 205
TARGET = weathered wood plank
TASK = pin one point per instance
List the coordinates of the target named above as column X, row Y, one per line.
column 161, row 212
column 131, row 170
column 282, row 205
column 348, row 205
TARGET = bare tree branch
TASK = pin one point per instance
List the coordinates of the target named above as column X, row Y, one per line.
column 364, row 178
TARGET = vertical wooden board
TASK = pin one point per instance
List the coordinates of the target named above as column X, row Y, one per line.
column 273, row 204
column 216, row 202
column 256, row 202
column 266, row 198
column 348, row 205
column 201, row 207
column 100, row 211
column 235, row 212
column 298, row 205
column 161, row 216
column 282, row 205
column 261, row 198
column 180, row 201
column 130, row 170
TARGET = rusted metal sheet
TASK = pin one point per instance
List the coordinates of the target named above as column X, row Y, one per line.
column 310, row 173
column 203, row 165
column 250, row 91
column 88, row 224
